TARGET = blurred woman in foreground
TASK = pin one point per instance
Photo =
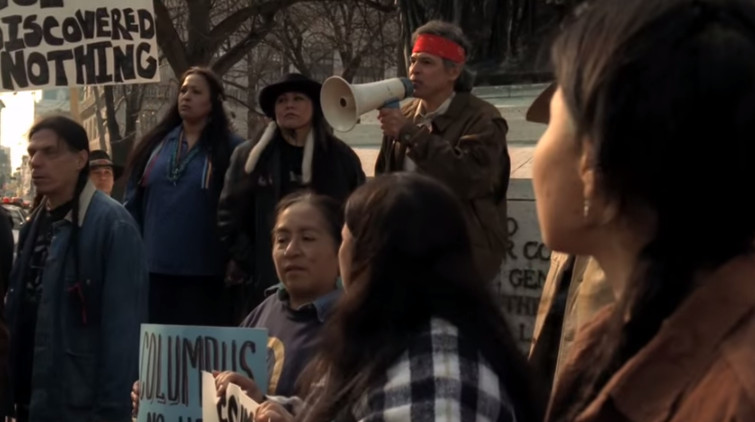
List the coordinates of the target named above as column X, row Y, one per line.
column 655, row 110
column 417, row 335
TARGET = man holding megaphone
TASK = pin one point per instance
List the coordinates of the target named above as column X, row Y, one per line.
column 453, row 136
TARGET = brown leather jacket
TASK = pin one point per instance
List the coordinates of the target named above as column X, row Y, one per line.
column 466, row 150
column 574, row 291
column 699, row 367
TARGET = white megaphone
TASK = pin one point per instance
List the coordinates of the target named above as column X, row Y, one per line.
column 342, row 103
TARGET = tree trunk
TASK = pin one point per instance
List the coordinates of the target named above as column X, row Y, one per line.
column 113, row 127
column 114, row 130
column 350, row 68
column 122, row 142
column 204, row 42
column 516, row 18
column 402, row 50
column 252, row 119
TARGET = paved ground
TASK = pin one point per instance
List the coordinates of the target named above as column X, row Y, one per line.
column 521, row 160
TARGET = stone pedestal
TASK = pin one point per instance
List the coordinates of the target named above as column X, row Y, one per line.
column 520, row 283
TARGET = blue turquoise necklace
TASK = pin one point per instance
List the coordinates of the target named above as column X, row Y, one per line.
column 177, row 166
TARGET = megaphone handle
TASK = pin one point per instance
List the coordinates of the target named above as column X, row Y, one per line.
column 391, row 104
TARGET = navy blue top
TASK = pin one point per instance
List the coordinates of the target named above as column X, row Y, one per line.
column 179, row 217
column 293, row 335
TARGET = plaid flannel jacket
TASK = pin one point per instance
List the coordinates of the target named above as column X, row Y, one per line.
column 441, row 377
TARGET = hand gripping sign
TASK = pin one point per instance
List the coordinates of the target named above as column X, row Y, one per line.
column 235, row 406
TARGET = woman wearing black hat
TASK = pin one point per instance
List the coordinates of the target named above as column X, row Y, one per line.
column 296, row 151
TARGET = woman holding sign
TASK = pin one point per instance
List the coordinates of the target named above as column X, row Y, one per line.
column 306, row 236
column 176, row 175
column 417, row 334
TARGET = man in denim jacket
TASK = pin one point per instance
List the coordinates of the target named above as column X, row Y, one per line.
column 78, row 290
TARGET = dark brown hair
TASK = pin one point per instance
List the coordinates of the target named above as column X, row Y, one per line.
column 324, row 140
column 216, row 136
column 75, row 138
column 665, row 92
column 330, row 210
column 412, row 262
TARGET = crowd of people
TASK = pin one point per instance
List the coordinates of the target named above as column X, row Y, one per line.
column 377, row 295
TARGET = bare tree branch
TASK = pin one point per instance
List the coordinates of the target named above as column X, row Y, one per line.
column 199, row 22
column 240, row 102
column 169, row 40
column 235, row 84
column 385, row 7
column 237, row 52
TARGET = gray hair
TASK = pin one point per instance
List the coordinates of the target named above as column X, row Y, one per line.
column 465, row 81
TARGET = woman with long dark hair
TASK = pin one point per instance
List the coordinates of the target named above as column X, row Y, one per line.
column 646, row 165
column 418, row 334
column 307, row 234
column 306, row 237
column 176, row 176
column 297, row 150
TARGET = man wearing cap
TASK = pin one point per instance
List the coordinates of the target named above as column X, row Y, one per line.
column 449, row 134
column 575, row 290
column 103, row 173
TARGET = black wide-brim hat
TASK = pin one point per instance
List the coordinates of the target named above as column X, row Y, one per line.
column 293, row 82
column 100, row 158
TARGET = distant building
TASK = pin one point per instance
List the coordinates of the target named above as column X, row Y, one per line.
column 53, row 101
column 20, row 184
column 28, row 191
column 6, row 171
column 154, row 101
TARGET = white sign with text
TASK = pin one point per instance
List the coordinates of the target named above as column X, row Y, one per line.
column 65, row 43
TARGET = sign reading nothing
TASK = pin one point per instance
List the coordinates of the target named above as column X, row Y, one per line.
column 59, row 43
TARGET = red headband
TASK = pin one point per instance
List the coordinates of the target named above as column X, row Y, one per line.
column 439, row 46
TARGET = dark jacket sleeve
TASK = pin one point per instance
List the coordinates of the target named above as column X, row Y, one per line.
column 6, row 260
column 124, row 301
column 357, row 172
column 132, row 199
column 232, row 208
column 381, row 162
column 6, row 250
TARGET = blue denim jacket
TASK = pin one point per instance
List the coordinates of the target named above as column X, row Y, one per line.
column 86, row 347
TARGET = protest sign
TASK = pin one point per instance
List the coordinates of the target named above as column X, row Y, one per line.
column 55, row 43
column 172, row 358
column 233, row 406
